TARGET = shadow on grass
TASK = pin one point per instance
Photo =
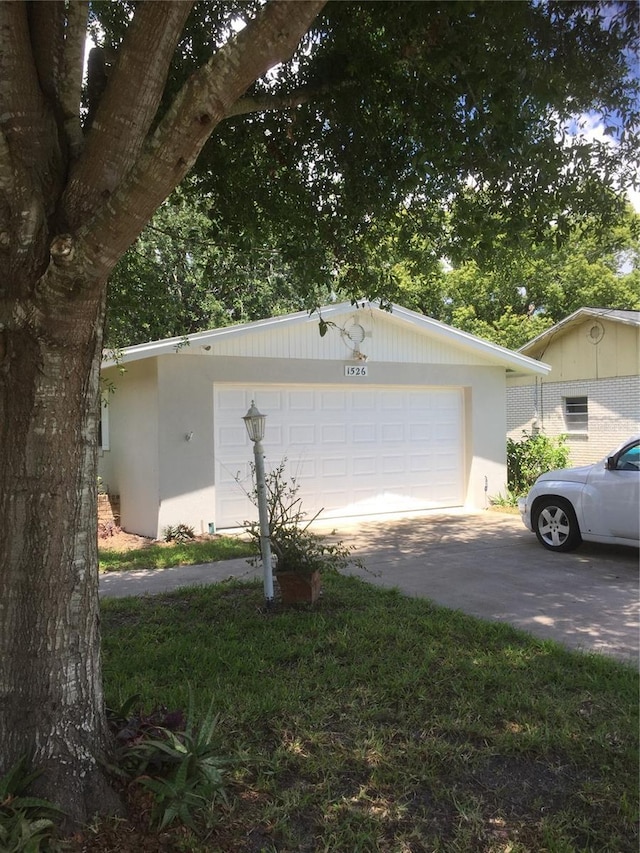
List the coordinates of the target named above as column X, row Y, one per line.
column 377, row 722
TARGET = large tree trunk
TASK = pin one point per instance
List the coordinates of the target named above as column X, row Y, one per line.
column 70, row 205
column 51, row 704
column 51, row 317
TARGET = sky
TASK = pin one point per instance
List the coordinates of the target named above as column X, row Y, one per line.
column 593, row 128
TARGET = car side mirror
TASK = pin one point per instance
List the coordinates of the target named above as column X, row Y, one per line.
column 610, row 464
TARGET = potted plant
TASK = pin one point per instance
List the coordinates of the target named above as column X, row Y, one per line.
column 300, row 556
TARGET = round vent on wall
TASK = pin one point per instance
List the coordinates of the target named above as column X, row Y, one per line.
column 595, row 333
column 354, row 334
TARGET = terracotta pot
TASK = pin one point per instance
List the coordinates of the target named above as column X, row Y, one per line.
column 299, row 587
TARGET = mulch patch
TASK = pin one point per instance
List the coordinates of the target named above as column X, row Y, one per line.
column 127, row 835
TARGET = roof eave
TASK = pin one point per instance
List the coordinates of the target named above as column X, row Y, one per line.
column 507, row 358
column 492, row 352
column 151, row 349
column 572, row 320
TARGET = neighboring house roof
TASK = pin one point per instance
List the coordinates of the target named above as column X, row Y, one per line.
column 629, row 318
column 418, row 322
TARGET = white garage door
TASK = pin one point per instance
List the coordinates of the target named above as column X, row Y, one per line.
column 354, row 451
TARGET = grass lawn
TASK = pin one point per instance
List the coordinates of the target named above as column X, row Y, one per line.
column 376, row 722
column 164, row 556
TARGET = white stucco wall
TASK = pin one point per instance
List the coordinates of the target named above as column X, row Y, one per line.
column 131, row 467
column 186, row 488
column 161, row 460
column 485, row 406
column 185, row 443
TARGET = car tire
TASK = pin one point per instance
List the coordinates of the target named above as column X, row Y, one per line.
column 556, row 525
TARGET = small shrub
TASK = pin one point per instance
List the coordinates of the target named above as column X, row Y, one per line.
column 510, row 499
column 534, row 455
column 180, row 533
column 107, row 529
column 174, row 759
column 133, row 728
column 26, row 823
column 295, row 547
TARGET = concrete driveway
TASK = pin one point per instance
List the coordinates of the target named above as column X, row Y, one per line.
column 489, row 565
column 484, row 564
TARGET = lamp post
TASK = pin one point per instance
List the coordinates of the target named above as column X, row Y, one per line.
column 254, row 423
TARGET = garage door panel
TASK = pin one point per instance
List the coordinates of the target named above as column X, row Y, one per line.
column 272, row 401
column 393, row 464
column 422, row 462
column 276, row 434
column 418, row 402
column 231, row 437
column 302, row 468
column 420, row 432
column 302, row 401
column 333, row 434
column 441, row 438
column 230, row 400
column 364, row 401
column 445, row 469
column 392, row 401
column 235, row 468
column 364, row 465
column 352, row 451
column 304, row 434
column 333, row 400
column 336, row 467
column 363, row 433
column 393, row 432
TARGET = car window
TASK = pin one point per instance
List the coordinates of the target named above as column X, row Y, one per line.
column 630, row 459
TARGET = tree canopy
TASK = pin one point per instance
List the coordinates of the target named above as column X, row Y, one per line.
column 398, row 133
column 183, row 276
column 517, row 294
column 186, row 274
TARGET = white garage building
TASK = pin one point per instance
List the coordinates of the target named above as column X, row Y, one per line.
column 385, row 412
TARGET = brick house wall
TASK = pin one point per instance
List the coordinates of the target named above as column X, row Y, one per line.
column 109, row 510
column 613, row 405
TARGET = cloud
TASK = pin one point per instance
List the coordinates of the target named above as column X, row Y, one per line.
column 634, row 198
column 591, row 128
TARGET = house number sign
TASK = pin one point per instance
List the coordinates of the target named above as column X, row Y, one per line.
column 356, row 370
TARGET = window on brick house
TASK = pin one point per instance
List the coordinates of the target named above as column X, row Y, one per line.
column 576, row 414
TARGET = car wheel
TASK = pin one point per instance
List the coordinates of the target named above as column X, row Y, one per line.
column 556, row 525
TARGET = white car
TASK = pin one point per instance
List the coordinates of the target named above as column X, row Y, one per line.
column 595, row 503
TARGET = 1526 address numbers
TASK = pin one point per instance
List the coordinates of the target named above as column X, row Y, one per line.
column 356, row 370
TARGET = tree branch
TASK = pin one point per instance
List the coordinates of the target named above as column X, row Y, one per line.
column 58, row 32
column 202, row 103
column 128, row 106
column 46, row 25
column 21, row 104
column 6, row 166
column 246, row 106
column 6, row 191
column 29, row 134
column 265, row 103
column 69, row 82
